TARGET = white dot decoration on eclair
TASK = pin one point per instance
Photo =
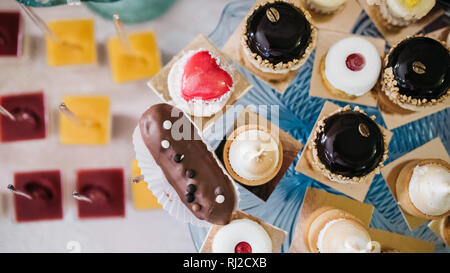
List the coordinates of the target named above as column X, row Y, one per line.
column 220, row 199
column 353, row 66
column 242, row 235
column 165, row 144
column 167, row 124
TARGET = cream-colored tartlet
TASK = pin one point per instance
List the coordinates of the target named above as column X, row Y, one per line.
column 401, row 13
column 403, row 187
column 391, row 90
column 265, row 69
column 253, row 155
column 330, row 230
column 337, row 177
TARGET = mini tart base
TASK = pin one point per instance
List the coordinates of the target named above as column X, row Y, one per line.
column 272, row 77
column 402, row 187
column 444, row 227
column 328, row 85
column 265, row 66
column 337, row 177
column 391, row 90
column 314, row 8
column 317, row 221
column 226, row 160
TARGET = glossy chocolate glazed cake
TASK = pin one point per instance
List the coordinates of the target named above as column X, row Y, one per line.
column 278, row 36
column 348, row 146
column 417, row 73
column 190, row 168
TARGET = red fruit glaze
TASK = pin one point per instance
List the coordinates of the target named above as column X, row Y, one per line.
column 243, row 247
column 45, row 188
column 355, row 62
column 203, row 78
column 10, row 34
column 29, row 111
column 105, row 187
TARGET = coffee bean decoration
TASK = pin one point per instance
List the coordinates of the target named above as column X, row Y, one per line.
column 191, row 188
column 273, row 15
column 178, row 158
column 419, row 67
column 190, row 197
column 363, row 130
column 190, row 173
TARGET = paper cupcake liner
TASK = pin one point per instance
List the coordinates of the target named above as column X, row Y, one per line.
column 161, row 188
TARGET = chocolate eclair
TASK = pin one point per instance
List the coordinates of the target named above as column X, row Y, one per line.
column 189, row 167
column 417, row 73
column 348, row 146
column 277, row 37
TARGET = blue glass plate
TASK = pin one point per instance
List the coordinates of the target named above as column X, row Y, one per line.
column 298, row 113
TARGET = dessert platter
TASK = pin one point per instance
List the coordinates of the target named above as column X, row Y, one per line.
column 285, row 130
column 298, row 114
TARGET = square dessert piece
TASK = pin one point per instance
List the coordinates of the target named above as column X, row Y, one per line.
column 11, row 34
column 142, row 196
column 94, row 114
column 142, row 62
column 45, row 189
column 75, row 44
column 105, row 188
column 30, row 120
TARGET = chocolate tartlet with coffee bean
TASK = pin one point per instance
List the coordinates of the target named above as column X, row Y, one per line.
column 417, row 73
column 277, row 37
column 348, row 146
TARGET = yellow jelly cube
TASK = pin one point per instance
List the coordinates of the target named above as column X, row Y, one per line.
column 142, row 62
column 92, row 125
column 143, row 197
column 75, row 43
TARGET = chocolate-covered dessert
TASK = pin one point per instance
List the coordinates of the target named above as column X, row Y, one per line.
column 417, row 73
column 348, row 146
column 278, row 37
column 190, row 168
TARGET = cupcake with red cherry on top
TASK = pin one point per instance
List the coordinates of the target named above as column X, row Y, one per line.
column 351, row 67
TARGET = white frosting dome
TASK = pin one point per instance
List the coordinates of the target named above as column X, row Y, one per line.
column 354, row 83
column 345, row 236
column 242, row 230
column 410, row 9
column 429, row 189
column 254, row 154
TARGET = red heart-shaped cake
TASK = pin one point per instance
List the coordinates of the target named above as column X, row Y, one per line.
column 203, row 79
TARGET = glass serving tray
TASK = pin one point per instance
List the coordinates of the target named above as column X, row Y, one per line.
column 298, row 113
